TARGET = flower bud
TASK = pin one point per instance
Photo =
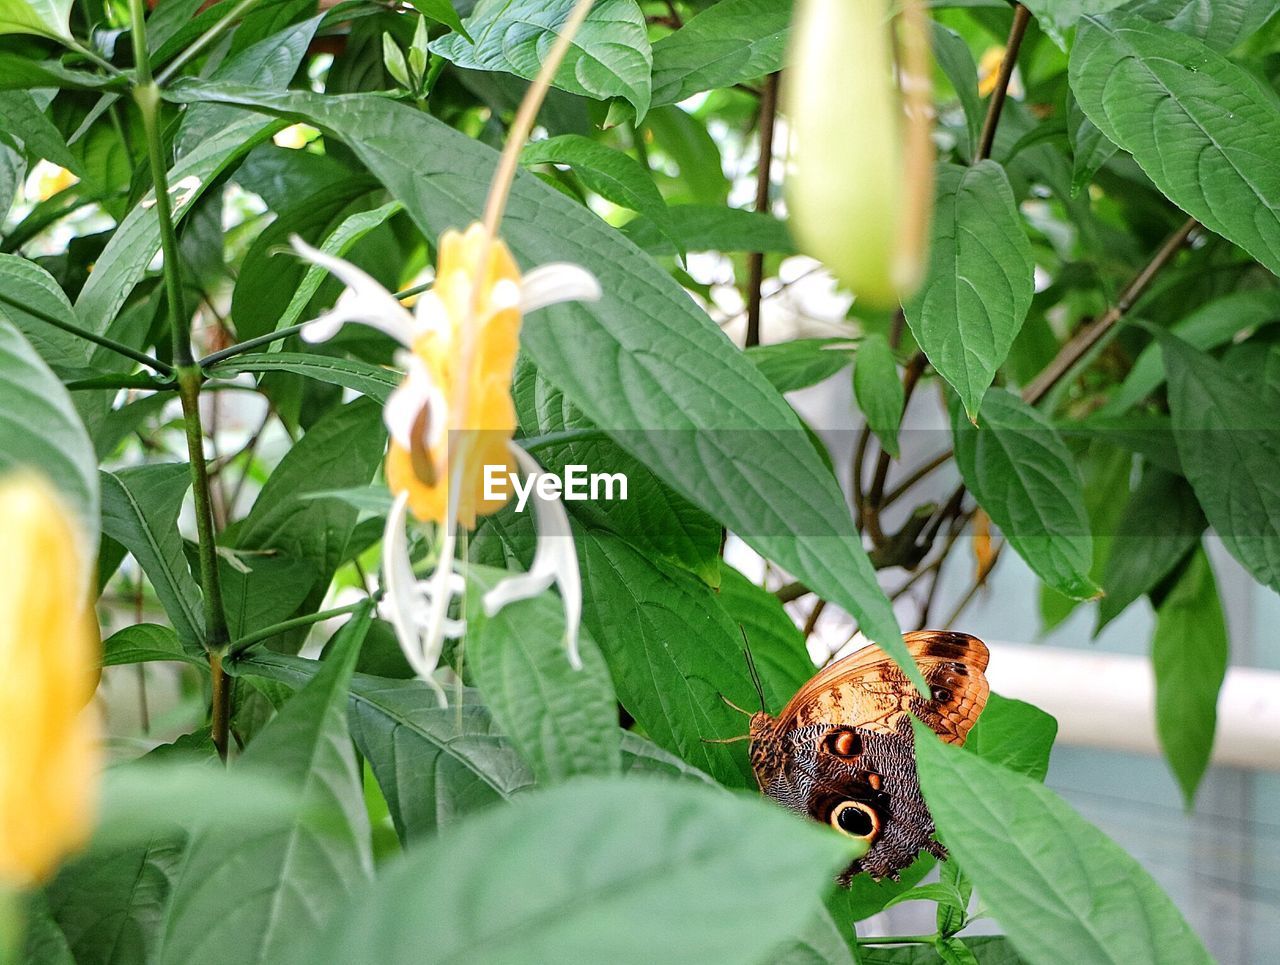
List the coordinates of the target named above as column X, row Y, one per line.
column 860, row 186
column 49, row 659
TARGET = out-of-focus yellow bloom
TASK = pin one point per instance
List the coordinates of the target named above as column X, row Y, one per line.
column 984, row 556
column 860, row 187
column 295, row 136
column 50, row 179
column 49, row 658
column 989, row 69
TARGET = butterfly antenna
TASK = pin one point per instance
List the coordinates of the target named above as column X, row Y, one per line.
column 751, row 669
column 725, row 740
column 745, row 713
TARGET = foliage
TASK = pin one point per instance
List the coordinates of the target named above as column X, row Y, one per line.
column 1109, row 367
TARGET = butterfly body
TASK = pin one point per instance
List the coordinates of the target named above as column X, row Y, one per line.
column 842, row 750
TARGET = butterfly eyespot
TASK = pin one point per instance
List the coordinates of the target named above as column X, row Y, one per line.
column 855, row 819
column 941, row 694
column 843, row 743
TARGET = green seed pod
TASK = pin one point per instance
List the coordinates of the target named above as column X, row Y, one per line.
column 859, row 187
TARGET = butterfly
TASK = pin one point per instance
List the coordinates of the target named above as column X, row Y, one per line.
column 842, row 750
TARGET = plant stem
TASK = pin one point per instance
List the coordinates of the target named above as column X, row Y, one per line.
column 1080, row 344
column 138, row 381
column 248, row 345
column 206, row 38
column 755, row 260
column 898, row 940
column 110, row 344
column 1021, row 18
column 237, row 648
column 190, row 378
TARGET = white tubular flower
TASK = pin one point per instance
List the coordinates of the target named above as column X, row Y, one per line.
column 452, row 417
column 554, row 561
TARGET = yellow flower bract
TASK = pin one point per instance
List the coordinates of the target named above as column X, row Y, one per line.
column 479, row 345
column 49, row 659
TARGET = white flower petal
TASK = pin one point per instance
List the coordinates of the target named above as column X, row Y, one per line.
column 403, row 602
column 554, row 561
column 555, row 283
column 430, row 314
column 365, row 302
column 408, row 399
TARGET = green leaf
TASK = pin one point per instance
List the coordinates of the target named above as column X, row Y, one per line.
column 705, row 227
column 47, row 18
column 564, row 721
column 777, row 645
column 38, row 938
column 726, row 44
column 652, row 517
column 1221, row 24
column 1161, row 523
column 615, row 176
column 1189, row 653
column 140, row 508
column 956, row 60
column 987, row 949
column 628, row 854
column 1090, row 149
column 258, row 591
column 1014, row 734
column 1209, row 326
column 1057, row 17
column 111, row 903
column 40, row 430
column 642, row 614
column 263, row 891
column 1026, row 479
column 610, row 55
column 25, row 120
column 879, row 390
column 441, row 11
column 143, row 642
column 1062, row 889
column 801, row 362
column 645, row 333
column 1226, row 437
column 434, row 764
column 342, row 449
column 642, row 756
column 375, row 381
column 979, row 283
column 1198, row 125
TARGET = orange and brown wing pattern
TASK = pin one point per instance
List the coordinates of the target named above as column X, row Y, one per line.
column 867, row 689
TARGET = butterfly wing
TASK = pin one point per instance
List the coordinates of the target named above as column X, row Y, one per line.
column 869, row 691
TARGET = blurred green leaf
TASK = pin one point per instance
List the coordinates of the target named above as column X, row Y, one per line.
column 262, row 891
column 629, row 853
column 1063, row 890
column 979, row 282
column 1022, row 474
column 879, row 390
column 1189, row 651
column 48, row 18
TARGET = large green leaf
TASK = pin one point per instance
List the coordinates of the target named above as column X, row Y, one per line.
column 1201, row 127
column 644, row 871
column 1227, row 440
column 564, row 721
column 726, row 44
column 433, row 763
column 49, row 18
column 39, row 430
column 1189, row 653
column 1160, row 524
column 657, row 361
column 1219, row 23
column 1014, row 734
column 1063, row 890
column 979, row 282
column 140, row 507
column 1024, row 476
column 673, row 652
column 260, row 590
column 343, row 449
column 777, row 645
column 610, row 55
column 262, row 891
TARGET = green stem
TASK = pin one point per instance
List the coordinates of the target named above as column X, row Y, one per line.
column 206, row 38
column 122, row 382
column 238, row 648
column 84, row 50
column 248, row 345
column 190, row 378
column 164, row 368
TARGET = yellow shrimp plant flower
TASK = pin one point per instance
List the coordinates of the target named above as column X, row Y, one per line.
column 49, row 658
column 451, row 417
